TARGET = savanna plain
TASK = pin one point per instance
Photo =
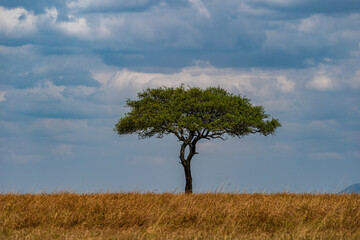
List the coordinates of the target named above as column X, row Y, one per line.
column 179, row 216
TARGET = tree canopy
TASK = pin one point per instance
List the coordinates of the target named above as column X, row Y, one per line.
column 192, row 114
column 206, row 113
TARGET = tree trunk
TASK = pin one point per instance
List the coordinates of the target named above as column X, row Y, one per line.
column 188, row 178
column 185, row 161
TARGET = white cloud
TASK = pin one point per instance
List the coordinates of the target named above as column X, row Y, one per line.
column 51, row 13
column 247, row 9
column 201, row 8
column 321, row 83
column 46, row 88
column 285, row 85
column 99, row 27
column 79, row 3
column 310, row 24
column 262, row 84
column 77, row 27
column 316, row 33
column 125, row 79
column 17, row 22
column 272, row 89
column 333, row 74
column 108, row 26
column 103, row 76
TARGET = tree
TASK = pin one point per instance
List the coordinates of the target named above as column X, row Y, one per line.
column 193, row 114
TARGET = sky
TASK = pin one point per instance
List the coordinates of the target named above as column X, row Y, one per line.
column 67, row 68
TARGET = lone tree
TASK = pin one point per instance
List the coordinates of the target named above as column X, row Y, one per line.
column 192, row 114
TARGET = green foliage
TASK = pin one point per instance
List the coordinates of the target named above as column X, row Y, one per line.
column 194, row 112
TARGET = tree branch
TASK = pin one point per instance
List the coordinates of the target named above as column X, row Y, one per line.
column 216, row 135
column 181, row 138
column 221, row 137
column 203, row 132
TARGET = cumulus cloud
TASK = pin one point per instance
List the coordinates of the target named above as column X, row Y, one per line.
column 321, row 82
column 51, row 13
column 285, row 85
column 310, row 24
column 96, row 28
column 334, row 75
column 75, row 26
column 240, row 34
column 262, row 84
column 17, row 22
column 52, row 97
column 313, row 39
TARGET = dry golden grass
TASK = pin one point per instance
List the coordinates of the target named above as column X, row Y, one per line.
column 179, row 216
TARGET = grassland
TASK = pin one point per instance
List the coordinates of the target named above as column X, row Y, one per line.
column 179, row 216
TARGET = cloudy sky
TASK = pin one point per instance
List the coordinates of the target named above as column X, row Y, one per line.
column 67, row 68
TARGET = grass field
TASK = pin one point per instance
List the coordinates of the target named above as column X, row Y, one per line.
column 179, row 216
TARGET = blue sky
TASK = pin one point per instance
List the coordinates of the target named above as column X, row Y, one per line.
column 67, row 68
